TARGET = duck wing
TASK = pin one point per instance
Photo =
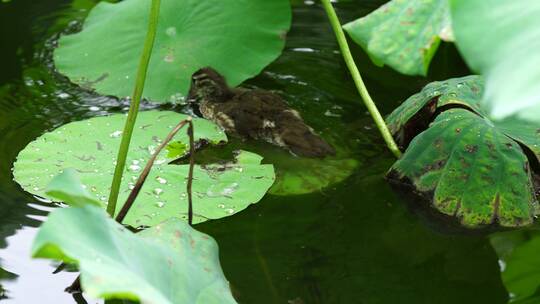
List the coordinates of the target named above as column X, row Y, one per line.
column 265, row 115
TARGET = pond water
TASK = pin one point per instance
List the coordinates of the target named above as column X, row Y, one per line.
column 353, row 242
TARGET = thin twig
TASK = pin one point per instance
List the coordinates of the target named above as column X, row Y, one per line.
column 142, row 178
column 190, row 174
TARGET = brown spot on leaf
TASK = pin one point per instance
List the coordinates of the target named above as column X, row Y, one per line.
column 437, row 143
column 85, row 158
column 434, row 166
column 471, row 148
column 407, row 23
column 487, row 178
column 458, row 206
column 464, row 162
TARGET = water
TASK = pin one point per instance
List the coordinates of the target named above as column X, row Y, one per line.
column 354, row 242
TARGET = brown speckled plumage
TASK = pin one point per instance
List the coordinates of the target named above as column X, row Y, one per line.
column 256, row 114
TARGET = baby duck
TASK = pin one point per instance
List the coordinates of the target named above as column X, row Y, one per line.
column 256, row 114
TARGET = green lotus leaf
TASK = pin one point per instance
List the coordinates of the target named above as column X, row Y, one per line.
column 166, row 264
column 296, row 176
column 498, row 39
column 66, row 187
column 464, row 91
column 520, row 268
column 467, row 165
column 238, row 40
column 90, row 147
column 403, row 34
column 472, row 170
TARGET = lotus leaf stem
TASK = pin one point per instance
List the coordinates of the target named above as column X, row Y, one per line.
column 355, row 73
column 134, row 107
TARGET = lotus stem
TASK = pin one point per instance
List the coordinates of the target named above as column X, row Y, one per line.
column 134, row 107
column 360, row 86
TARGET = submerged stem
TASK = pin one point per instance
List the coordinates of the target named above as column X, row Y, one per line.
column 355, row 73
column 134, row 107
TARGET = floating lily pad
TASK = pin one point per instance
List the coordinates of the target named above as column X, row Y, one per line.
column 403, row 34
column 498, row 39
column 294, row 175
column 238, row 40
column 304, row 175
column 166, row 264
column 465, row 164
column 219, row 190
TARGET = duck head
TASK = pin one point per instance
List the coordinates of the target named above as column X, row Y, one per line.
column 207, row 85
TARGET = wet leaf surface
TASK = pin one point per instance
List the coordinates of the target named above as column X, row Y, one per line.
column 403, row 34
column 465, row 164
column 220, row 189
column 66, row 187
column 236, row 39
column 166, row 264
column 464, row 91
column 470, row 170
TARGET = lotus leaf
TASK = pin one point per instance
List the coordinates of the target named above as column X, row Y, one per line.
column 467, row 165
column 168, row 263
column 403, row 34
column 235, row 38
column 496, row 38
column 90, row 147
column 66, row 187
column 518, row 261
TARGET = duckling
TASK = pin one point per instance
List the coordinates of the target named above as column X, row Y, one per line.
column 256, row 114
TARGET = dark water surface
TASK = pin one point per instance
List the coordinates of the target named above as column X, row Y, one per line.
column 354, row 242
